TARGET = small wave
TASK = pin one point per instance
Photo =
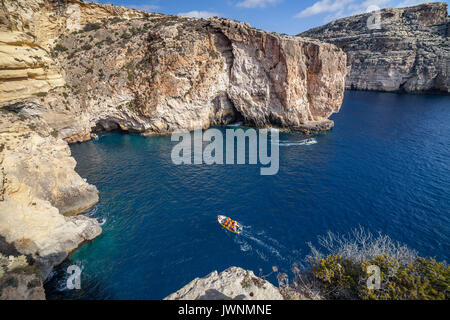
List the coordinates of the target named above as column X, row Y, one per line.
column 102, row 221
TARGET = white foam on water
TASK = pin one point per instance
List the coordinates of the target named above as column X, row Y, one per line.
column 266, row 246
column 262, row 255
column 245, row 247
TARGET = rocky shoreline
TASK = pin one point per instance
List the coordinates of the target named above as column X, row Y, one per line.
column 121, row 69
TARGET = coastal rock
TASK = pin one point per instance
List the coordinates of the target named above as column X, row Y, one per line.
column 231, row 284
column 408, row 51
column 152, row 73
column 26, row 69
column 39, row 186
column 70, row 68
column 280, row 80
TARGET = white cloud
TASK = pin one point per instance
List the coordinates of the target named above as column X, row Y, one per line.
column 256, row 3
column 143, row 7
column 336, row 9
column 366, row 6
column 323, row 6
column 199, row 14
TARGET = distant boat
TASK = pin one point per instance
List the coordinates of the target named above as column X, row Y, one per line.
column 229, row 224
column 310, row 141
column 237, row 124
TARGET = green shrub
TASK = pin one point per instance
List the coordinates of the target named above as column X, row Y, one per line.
column 54, row 133
column 60, row 48
column 91, row 27
column 86, row 47
column 342, row 278
column 126, row 36
column 343, row 271
column 33, row 284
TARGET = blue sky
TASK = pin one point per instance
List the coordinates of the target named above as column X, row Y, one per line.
column 283, row 16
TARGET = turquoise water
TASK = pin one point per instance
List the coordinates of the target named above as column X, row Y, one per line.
column 385, row 166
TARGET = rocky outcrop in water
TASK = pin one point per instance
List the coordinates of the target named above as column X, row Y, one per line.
column 406, row 50
column 231, row 284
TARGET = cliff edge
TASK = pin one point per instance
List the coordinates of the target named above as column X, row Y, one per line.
column 232, row 284
column 70, row 68
column 395, row 50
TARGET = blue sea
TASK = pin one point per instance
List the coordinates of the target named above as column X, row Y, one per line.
column 385, row 166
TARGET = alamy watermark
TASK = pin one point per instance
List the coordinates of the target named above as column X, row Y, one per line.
column 374, row 280
column 234, row 140
column 374, row 20
column 74, row 280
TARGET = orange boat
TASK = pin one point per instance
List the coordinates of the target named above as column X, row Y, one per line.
column 230, row 224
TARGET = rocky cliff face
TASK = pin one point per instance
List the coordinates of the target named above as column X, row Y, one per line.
column 155, row 73
column 19, row 277
column 40, row 185
column 408, row 51
column 231, row 284
column 68, row 68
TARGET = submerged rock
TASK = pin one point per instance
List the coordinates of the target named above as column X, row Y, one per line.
column 232, row 284
column 405, row 50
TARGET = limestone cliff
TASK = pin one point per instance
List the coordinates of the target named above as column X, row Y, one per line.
column 154, row 73
column 38, row 186
column 405, row 50
column 231, row 284
column 68, row 68
column 28, row 29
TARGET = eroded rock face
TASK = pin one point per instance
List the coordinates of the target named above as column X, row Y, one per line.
column 68, row 68
column 25, row 68
column 28, row 31
column 40, row 185
column 231, row 284
column 410, row 52
column 154, row 73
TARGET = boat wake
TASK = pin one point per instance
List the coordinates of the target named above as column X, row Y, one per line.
column 259, row 243
column 305, row 142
